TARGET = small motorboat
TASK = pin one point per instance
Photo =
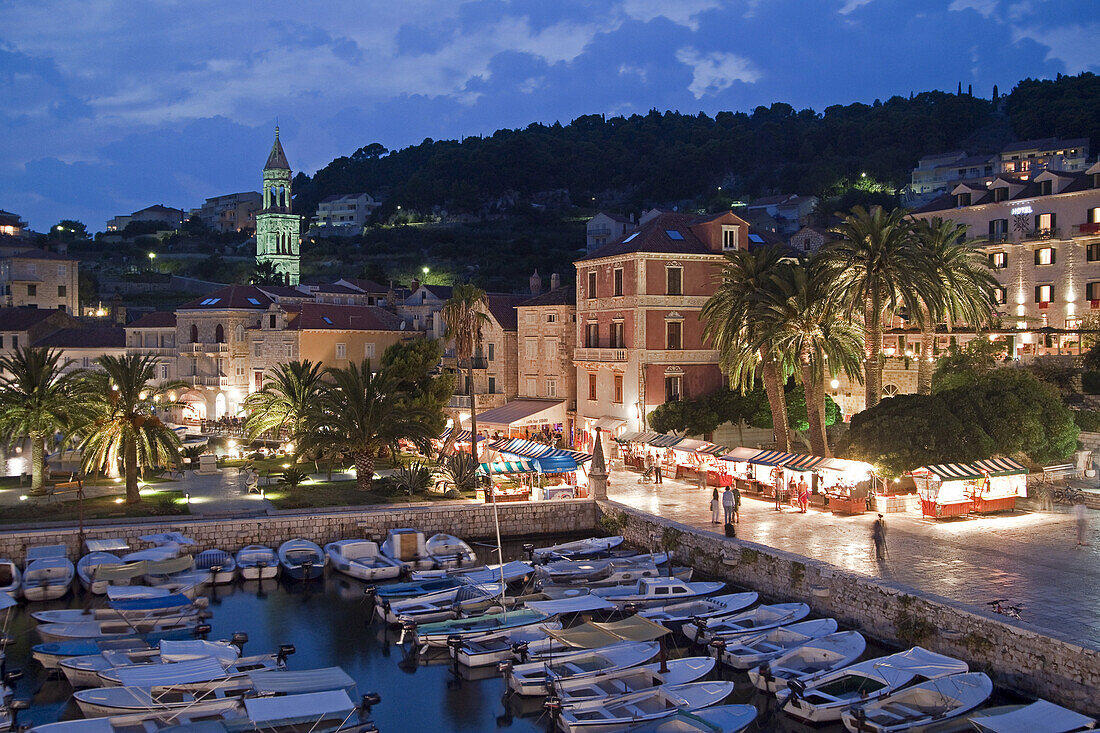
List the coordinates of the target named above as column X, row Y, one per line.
column 716, row 719
column 674, row 615
column 302, row 559
column 921, row 706
column 657, row 591
column 577, row 549
column 755, row 619
column 620, row 712
column 414, row 588
column 153, row 554
column 50, row 654
column 822, row 697
column 632, row 679
column 117, row 629
column 449, row 551
column 219, row 564
column 175, row 570
column 815, row 657
column 437, row 634
column 442, row 605
column 11, row 578
column 257, row 562
column 189, row 674
column 174, row 605
column 596, row 634
column 580, row 571
column 83, row 671
column 536, row 678
column 408, row 547
column 48, row 573
column 618, row 575
column 513, row 572
column 498, row 647
column 1039, row 715
column 87, row 566
column 361, row 559
column 748, row 651
column 145, row 592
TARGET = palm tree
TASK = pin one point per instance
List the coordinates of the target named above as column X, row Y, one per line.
column 464, row 316
column 875, row 268
column 360, row 413
column 123, row 420
column 37, row 399
column 805, row 325
column 283, row 401
column 741, row 337
column 962, row 287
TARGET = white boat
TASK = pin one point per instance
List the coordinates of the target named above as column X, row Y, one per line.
column 594, row 635
column 498, row 647
column 815, row 657
column 87, row 566
column 190, row 674
column 566, row 571
column 257, row 562
column 632, row 679
column 823, row 697
column 620, row 712
column 716, row 719
column 302, row 559
column 921, row 706
column 144, row 592
column 115, row 628
column 589, row 547
column 48, row 573
column 581, row 602
column 675, row 615
column 755, row 619
column 83, row 671
column 1040, row 715
column 449, row 551
column 438, row 634
column 170, row 605
column 219, row 564
column 153, row 554
column 654, row 591
column 361, row 559
column 409, row 548
column 514, row 571
column 534, row 678
column 444, row 604
column 136, row 704
column 748, row 651
column 618, row 575
column 11, row 578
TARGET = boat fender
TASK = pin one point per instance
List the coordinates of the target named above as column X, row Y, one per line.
column 285, row 650
column 504, row 667
column 369, row 700
column 201, row 630
column 239, row 639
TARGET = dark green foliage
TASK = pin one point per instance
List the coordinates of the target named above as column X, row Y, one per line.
column 962, row 366
column 412, row 363
column 412, row 478
column 1092, row 357
column 1090, row 381
column 458, row 471
column 293, row 477
column 1066, row 107
column 1006, row 411
column 1087, row 420
column 704, row 414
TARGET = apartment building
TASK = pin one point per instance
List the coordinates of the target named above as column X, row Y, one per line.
column 35, row 278
column 24, row 326
column 11, row 225
column 231, row 212
column 155, row 334
column 606, row 227
column 343, row 214
column 639, row 336
column 172, row 218
column 80, row 346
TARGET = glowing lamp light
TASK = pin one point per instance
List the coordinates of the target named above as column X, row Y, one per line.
column 286, row 465
column 118, row 501
column 835, row 384
column 232, row 444
column 187, row 498
column 117, row 479
column 23, row 497
column 263, row 494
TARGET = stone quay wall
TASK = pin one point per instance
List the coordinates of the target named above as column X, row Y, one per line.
column 1015, row 654
column 463, row 519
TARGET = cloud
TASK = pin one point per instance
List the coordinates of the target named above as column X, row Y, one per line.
column 681, row 12
column 851, row 5
column 985, row 8
column 1072, row 45
column 716, row 72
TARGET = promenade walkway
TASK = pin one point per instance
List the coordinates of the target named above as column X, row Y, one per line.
column 1029, row 558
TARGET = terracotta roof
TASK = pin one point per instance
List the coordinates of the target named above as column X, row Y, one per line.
column 284, row 291
column 503, row 308
column 654, row 237
column 94, row 337
column 366, row 285
column 155, row 319
column 277, row 159
column 20, row 319
column 334, row 289
column 324, row 316
column 557, row 296
column 38, row 254
column 247, row 297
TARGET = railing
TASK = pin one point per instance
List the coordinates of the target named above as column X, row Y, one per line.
column 600, row 232
column 593, row 354
column 1088, row 228
column 205, row 348
column 459, row 401
column 197, row 381
column 1040, row 234
column 151, row 350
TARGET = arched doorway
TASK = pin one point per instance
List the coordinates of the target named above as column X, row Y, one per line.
column 219, row 334
column 194, row 407
column 219, row 405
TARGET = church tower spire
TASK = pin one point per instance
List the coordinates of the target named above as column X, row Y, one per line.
column 278, row 228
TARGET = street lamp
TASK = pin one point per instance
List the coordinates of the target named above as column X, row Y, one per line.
column 424, row 270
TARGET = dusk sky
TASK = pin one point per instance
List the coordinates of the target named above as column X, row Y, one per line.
column 112, row 106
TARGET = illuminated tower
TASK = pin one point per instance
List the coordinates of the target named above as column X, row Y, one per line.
column 277, row 229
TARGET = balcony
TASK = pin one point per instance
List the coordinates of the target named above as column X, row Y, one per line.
column 591, row 354
column 200, row 381
column 598, row 232
column 459, row 402
column 1041, row 234
column 151, row 351
column 211, row 349
column 1087, row 229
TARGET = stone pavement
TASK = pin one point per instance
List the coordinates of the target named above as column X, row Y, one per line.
column 1029, row 558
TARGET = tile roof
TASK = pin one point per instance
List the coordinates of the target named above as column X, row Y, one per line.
column 155, row 319
column 502, row 307
column 312, row 316
column 284, row 291
column 334, row 289
column 277, row 158
column 92, row 337
column 367, row 285
column 1029, row 190
column 443, row 292
column 557, row 296
column 20, row 319
column 231, row 296
column 35, row 253
column 654, row 237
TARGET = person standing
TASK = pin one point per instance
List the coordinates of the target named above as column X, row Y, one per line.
column 658, row 478
column 779, row 494
column 736, row 504
column 715, row 505
column 803, row 495
column 878, row 536
column 1081, row 512
column 727, row 504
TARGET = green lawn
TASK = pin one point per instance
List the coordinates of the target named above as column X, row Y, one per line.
column 341, row 493
column 153, row 503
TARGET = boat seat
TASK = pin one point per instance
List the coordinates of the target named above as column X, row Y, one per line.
column 902, row 711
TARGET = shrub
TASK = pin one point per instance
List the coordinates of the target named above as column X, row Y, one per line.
column 292, row 478
column 412, row 478
column 1090, row 381
column 1088, row 420
column 459, row 472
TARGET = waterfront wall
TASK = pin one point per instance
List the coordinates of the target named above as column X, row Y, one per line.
column 1015, row 655
column 463, row 519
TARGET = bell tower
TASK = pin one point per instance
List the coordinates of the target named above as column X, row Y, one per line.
column 277, row 228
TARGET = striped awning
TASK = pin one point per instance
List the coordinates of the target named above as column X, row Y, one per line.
column 741, row 453
column 690, row 445
column 629, row 437
column 462, row 437
column 660, row 440
column 999, row 466
column 804, row 462
column 769, row 458
column 953, row 471
column 505, row 467
column 531, row 449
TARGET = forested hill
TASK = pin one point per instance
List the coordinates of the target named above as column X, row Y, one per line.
column 666, row 158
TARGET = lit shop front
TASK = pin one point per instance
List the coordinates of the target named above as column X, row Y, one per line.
column 520, row 470
column 683, row 458
column 982, row 487
column 835, row 484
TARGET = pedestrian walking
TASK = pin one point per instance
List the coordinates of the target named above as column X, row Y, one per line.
column 1081, row 512
column 779, row 495
column 658, row 477
column 727, row 504
column 803, row 495
column 878, row 535
column 715, row 506
column 736, row 505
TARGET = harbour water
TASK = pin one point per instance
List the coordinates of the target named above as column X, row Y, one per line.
column 328, row 624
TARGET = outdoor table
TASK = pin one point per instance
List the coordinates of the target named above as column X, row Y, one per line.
column 714, row 478
column 847, row 505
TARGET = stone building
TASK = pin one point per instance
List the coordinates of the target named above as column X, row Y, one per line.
column 231, row 212
column 547, row 337
column 24, row 326
column 35, row 278
column 155, row 334
column 278, row 229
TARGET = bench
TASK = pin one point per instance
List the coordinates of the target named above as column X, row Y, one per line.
column 1059, row 471
column 66, row 487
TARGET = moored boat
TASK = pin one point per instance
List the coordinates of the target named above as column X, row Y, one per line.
column 116, row 628
column 48, row 573
column 674, row 615
column 83, row 671
column 752, row 650
column 361, row 559
column 449, row 551
column 11, row 578
column 655, row 591
column 302, row 559
column 49, row 654
column 221, row 566
column 755, row 619
column 536, row 678
column 577, row 549
column 171, row 605
column 444, row 604
column 498, row 647
column 88, row 566
column 437, row 634
column 632, row 679
column 257, row 562
column 189, row 674
column 1039, row 715
column 409, row 548
column 569, row 571
column 716, row 719
column 806, row 660
column 620, row 712
column 915, row 709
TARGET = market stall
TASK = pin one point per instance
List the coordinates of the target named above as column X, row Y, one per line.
column 1005, row 480
column 515, row 488
column 561, row 471
column 461, row 441
column 695, row 458
column 947, row 489
column 525, row 418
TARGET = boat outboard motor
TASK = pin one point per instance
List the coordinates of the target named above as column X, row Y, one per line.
column 504, row 667
column 9, row 680
column 630, row 609
column 202, row 630
column 285, row 650
column 529, row 550
column 368, row 701
column 15, row 706
column 519, row 648
column 553, row 706
column 719, row 646
column 239, row 639
column 797, row 689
